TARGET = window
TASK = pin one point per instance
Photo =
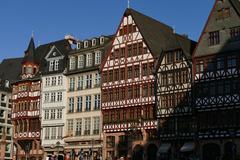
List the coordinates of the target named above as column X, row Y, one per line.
column 59, row 113
column 231, row 61
column 46, row 114
column 137, row 91
column 60, row 132
column 214, row 38
column 144, row 69
column 122, row 73
column 170, row 78
column 134, row 49
column 72, row 84
column 129, row 51
column 88, row 103
column 89, row 60
column 80, row 83
column 111, row 75
column 122, row 53
column 71, row 104
column 70, row 125
column 78, row 127
column 110, row 141
column 85, row 44
column 220, row 63
column 96, row 125
column 136, row 71
column 89, row 81
column 97, row 102
column 94, row 42
column 47, row 83
column 60, row 80
column 54, row 130
column 79, row 104
column 235, row 32
column 51, row 66
column 97, row 58
column 101, row 40
column 47, row 132
column 80, row 61
column 53, row 113
column 129, row 72
column 56, row 65
column 179, row 56
column 223, row 13
column 72, row 63
column 145, row 90
column 46, row 97
column 169, row 57
column 130, row 92
column 53, row 97
column 87, row 126
column 59, row 96
column 54, row 81
column 97, row 80
column 116, row 74
column 78, row 45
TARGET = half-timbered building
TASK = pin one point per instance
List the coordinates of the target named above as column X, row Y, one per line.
column 128, row 99
column 173, row 97
column 26, row 100
column 216, row 74
column 26, row 108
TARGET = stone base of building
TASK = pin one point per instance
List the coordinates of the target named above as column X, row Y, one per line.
column 136, row 145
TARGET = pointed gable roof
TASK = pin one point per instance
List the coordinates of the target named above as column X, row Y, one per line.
column 29, row 53
column 214, row 24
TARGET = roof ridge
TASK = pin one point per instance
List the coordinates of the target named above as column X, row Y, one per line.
column 148, row 17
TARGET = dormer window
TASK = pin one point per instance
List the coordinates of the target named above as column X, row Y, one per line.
column 78, row 45
column 85, row 44
column 94, row 42
column 51, row 66
column 101, row 40
column 54, row 65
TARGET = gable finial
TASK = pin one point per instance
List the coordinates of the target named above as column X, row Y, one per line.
column 32, row 34
column 128, row 3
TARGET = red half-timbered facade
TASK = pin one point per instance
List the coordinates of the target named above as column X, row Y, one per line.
column 128, row 94
column 26, row 108
column 216, row 74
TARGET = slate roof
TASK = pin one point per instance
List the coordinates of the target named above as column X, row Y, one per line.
column 29, row 53
column 10, row 69
column 62, row 45
column 159, row 36
column 236, row 5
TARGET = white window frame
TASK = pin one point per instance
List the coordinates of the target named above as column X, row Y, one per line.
column 89, row 59
column 97, row 58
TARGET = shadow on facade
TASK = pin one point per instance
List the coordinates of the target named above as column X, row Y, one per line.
column 209, row 129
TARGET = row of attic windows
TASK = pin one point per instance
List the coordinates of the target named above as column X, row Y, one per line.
column 91, row 43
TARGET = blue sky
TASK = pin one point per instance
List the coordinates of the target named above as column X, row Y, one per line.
column 52, row 19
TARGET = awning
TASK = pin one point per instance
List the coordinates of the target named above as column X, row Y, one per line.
column 188, row 147
column 164, row 148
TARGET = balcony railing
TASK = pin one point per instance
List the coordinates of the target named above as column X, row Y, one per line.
column 23, row 135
